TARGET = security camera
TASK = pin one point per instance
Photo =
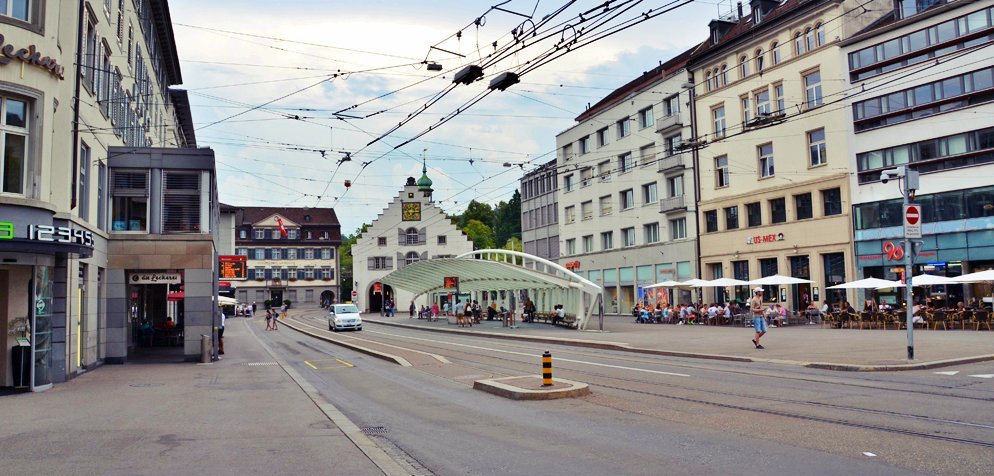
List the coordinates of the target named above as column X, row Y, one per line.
column 886, row 175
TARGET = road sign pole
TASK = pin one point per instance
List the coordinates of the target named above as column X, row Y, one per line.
column 908, row 295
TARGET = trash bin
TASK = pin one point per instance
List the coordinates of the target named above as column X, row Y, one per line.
column 21, row 364
column 205, row 349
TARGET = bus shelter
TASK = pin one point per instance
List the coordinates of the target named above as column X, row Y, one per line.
column 502, row 276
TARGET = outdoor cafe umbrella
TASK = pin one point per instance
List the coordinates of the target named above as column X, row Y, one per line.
column 867, row 283
column 777, row 280
column 665, row 284
column 721, row 283
column 931, row 280
column 691, row 282
column 978, row 277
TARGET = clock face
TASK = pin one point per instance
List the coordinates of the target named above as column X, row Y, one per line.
column 411, row 211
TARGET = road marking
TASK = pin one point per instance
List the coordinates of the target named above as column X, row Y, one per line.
column 983, row 376
column 345, row 363
column 437, row 357
column 310, row 365
column 868, row 454
column 312, row 362
column 583, row 362
column 951, row 372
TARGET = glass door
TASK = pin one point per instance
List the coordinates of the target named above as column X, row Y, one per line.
column 41, row 329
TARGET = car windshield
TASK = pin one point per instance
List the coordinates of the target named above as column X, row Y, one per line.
column 346, row 309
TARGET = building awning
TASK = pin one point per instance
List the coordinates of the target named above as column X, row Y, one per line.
column 18, row 245
column 491, row 270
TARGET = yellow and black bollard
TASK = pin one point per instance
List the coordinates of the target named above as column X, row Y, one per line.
column 546, row 369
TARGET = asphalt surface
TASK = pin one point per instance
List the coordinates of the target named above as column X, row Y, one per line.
column 691, row 415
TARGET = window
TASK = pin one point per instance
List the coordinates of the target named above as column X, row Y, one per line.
column 647, row 155
column 746, row 110
column 721, row 177
column 678, row 229
column 816, row 147
column 754, row 214
column 762, row 103
column 605, row 203
column 588, row 243
column 651, row 233
column 743, row 66
column 671, row 105
column 765, row 160
column 778, row 92
column 88, row 69
column 672, row 145
column 775, row 53
column 732, row 218
column 707, row 81
column 275, row 234
column 308, row 253
column 102, row 197
column 832, row 199
column 835, row 273
column 585, row 175
column 442, row 240
column 718, row 116
column 242, row 234
column 571, row 246
column 675, row 186
column 809, row 39
column 607, row 240
column 812, row 89
column 627, row 198
column 820, row 34
column 624, row 127
column 412, row 237
column 83, row 201
column 260, row 253
column 602, row 137
column 181, row 202
column 802, row 206
column 326, row 253
column 291, row 253
column 587, row 209
column 14, row 131
column 411, row 258
column 628, row 237
column 649, row 193
column 778, row 210
column 570, row 214
column 723, row 76
column 129, row 208
column 759, row 60
column 19, row 9
column 768, row 267
column 568, row 183
column 277, row 253
column 584, row 144
column 604, row 170
column 625, row 162
column 326, row 273
column 711, row 221
column 798, row 44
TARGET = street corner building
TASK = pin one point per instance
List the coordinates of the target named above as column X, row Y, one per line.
column 107, row 208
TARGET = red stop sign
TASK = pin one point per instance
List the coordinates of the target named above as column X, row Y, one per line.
column 912, row 216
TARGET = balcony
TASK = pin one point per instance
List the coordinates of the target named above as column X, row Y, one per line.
column 672, row 163
column 673, row 204
column 668, row 123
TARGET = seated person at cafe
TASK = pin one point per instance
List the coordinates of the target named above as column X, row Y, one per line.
column 960, row 307
column 869, row 305
column 846, row 307
column 170, row 325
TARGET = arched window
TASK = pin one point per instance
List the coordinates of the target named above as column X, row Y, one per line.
column 707, row 81
column 798, row 44
column 809, row 38
column 775, row 50
column 715, row 79
column 412, row 236
column 820, row 32
column 743, row 66
column 411, row 258
column 759, row 61
column 724, row 74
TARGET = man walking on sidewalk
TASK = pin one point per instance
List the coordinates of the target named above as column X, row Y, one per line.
column 758, row 320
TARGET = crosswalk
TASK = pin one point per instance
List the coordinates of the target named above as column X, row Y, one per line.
column 950, row 373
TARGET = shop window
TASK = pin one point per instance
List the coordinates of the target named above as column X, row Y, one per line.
column 181, row 202
column 129, row 208
column 768, row 267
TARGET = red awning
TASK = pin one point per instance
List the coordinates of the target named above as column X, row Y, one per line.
column 175, row 296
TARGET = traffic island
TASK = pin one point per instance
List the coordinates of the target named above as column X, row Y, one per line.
column 529, row 387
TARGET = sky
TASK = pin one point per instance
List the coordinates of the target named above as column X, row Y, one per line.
column 283, row 94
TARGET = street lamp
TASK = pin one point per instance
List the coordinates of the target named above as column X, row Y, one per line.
column 908, row 185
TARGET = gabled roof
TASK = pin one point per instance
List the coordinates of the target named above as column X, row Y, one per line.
column 319, row 216
column 271, row 221
column 647, row 79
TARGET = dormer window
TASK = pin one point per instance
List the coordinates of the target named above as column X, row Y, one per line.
column 307, row 218
column 757, row 15
column 715, row 36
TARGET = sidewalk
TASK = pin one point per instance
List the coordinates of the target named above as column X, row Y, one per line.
column 244, row 414
column 809, row 345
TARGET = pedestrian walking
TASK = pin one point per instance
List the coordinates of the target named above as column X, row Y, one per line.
column 412, row 309
column 283, row 309
column 758, row 319
column 276, row 319
column 269, row 319
column 253, row 307
column 220, row 335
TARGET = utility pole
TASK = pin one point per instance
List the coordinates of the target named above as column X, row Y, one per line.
column 909, row 180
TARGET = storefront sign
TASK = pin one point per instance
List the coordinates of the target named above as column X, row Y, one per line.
column 155, row 278
column 232, row 267
column 31, row 57
column 573, row 265
column 60, row 234
column 772, row 237
column 6, row 230
column 893, row 252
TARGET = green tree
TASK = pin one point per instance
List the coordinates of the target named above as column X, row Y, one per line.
column 514, row 244
column 481, row 212
column 508, row 220
column 480, row 234
column 345, row 261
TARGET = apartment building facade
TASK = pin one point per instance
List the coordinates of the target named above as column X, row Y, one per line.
column 925, row 76
column 291, row 254
column 56, row 208
column 626, row 195
column 771, row 153
column 539, row 212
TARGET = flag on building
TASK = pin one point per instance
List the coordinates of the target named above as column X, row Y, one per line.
column 282, row 228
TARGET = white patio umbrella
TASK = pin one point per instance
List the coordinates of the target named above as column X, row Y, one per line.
column 867, row 283
column 931, row 280
column 226, row 301
column 777, row 280
column 721, row 283
column 978, row 277
column 691, row 282
column 665, row 284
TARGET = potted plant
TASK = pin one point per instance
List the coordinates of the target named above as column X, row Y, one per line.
column 287, row 303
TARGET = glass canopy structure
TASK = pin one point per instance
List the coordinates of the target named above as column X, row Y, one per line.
column 487, row 274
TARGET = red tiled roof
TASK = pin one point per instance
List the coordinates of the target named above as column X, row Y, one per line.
column 649, row 77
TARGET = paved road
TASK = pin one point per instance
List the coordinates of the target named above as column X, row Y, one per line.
column 647, row 412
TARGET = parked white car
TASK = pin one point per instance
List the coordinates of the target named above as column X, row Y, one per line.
column 344, row 316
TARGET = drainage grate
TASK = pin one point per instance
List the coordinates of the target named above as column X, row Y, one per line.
column 373, row 430
column 255, row 364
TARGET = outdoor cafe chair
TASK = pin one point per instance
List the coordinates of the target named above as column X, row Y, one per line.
column 982, row 317
column 938, row 317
